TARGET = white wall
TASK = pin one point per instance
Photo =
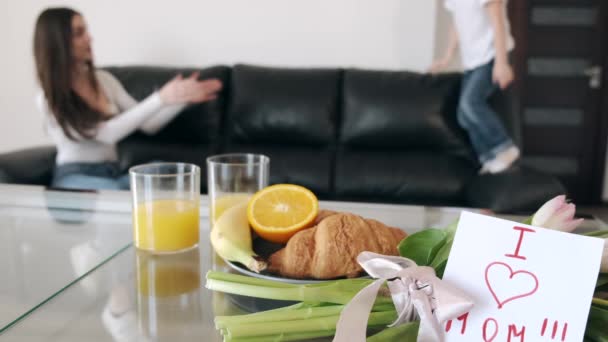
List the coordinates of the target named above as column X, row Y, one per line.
column 386, row 34
column 443, row 22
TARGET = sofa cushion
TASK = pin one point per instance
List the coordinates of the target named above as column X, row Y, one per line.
column 302, row 165
column 199, row 123
column 517, row 190
column 402, row 177
column 274, row 105
column 32, row 165
column 396, row 110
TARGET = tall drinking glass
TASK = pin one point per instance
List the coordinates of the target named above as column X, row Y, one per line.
column 166, row 199
column 233, row 178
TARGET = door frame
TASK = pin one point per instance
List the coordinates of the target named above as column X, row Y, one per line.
column 518, row 12
column 601, row 139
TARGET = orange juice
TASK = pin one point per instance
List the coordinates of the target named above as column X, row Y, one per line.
column 166, row 225
column 223, row 202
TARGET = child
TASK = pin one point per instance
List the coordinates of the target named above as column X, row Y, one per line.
column 481, row 29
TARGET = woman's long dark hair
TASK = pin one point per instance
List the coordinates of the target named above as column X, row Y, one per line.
column 55, row 67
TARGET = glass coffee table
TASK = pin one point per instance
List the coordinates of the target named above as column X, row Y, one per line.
column 70, row 273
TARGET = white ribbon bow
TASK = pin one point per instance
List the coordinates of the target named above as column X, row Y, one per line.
column 416, row 291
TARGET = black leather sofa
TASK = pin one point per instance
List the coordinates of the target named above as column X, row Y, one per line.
column 347, row 134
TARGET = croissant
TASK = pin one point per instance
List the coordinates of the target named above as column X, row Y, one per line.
column 329, row 249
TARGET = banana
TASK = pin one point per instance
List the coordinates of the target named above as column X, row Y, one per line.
column 231, row 238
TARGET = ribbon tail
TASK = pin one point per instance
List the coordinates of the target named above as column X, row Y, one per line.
column 402, row 301
column 430, row 330
column 450, row 302
column 352, row 324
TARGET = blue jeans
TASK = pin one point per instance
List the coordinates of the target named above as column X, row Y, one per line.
column 486, row 132
column 93, row 176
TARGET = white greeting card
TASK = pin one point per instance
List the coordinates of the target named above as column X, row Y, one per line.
column 528, row 283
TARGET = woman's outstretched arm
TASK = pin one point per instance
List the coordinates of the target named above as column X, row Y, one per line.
column 176, row 95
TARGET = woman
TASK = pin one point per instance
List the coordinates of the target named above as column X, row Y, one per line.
column 87, row 111
column 482, row 31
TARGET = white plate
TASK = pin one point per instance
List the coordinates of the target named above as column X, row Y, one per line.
column 264, row 249
column 269, row 276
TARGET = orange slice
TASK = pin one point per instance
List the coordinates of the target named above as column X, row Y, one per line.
column 279, row 211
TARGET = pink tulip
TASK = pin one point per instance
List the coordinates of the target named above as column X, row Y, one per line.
column 557, row 214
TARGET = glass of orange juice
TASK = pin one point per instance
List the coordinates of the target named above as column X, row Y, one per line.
column 233, row 178
column 166, row 200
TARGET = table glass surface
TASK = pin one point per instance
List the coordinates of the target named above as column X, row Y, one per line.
column 70, row 273
column 48, row 240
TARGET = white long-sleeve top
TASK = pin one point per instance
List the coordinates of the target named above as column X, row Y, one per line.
column 149, row 115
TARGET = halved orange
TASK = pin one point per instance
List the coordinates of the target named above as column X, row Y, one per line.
column 279, row 211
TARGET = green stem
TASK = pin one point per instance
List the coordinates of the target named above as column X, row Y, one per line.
column 292, row 312
column 227, row 322
column 284, row 337
column 290, row 294
column 598, row 233
column 383, row 307
column 337, row 292
column 281, row 309
column 602, row 303
column 602, row 280
column 407, row 332
column 302, row 326
column 596, row 324
column 236, row 278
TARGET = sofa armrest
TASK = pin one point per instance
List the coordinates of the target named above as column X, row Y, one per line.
column 519, row 190
column 28, row 166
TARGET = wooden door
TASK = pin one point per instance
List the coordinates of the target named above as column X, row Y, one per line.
column 560, row 62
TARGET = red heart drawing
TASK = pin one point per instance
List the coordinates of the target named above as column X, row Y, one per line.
column 502, row 302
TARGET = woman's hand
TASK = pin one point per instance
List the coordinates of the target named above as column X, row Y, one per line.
column 502, row 74
column 439, row 65
column 189, row 90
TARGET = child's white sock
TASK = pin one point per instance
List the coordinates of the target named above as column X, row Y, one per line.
column 501, row 162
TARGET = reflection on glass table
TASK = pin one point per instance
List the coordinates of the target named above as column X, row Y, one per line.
column 47, row 243
column 165, row 303
column 145, row 298
column 167, row 286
